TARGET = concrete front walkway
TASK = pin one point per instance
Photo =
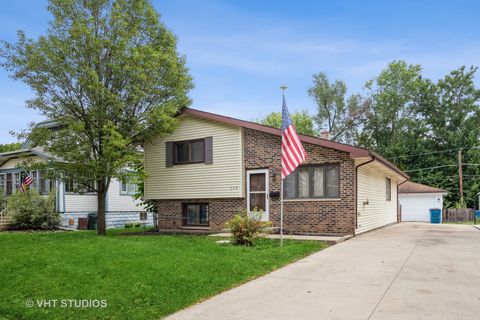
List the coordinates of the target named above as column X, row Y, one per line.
column 406, row 271
column 328, row 239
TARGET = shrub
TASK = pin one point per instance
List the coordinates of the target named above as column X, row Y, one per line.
column 30, row 210
column 246, row 227
column 133, row 225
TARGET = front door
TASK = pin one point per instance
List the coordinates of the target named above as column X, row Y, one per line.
column 257, row 191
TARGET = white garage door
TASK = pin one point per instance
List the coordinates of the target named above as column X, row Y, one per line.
column 416, row 207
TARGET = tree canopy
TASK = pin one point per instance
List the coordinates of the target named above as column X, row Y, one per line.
column 108, row 71
column 338, row 115
column 421, row 125
column 9, row 147
column 302, row 120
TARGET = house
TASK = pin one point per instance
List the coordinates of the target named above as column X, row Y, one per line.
column 417, row 199
column 70, row 200
column 212, row 165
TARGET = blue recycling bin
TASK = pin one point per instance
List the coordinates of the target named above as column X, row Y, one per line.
column 435, row 215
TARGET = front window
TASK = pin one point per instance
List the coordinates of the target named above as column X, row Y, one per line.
column 195, row 214
column 18, row 181
column 46, row 185
column 128, row 188
column 72, row 186
column 192, row 151
column 318, row 181
column 34, row 176
column 9, row 184
column 3, row 184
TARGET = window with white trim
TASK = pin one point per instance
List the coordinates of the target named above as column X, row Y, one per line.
column 313, row 181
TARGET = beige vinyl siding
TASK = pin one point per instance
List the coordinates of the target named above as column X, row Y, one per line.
column 80, row 202
column 121, row 202
column 372, row 188
column 15, row 162
column 222, row 179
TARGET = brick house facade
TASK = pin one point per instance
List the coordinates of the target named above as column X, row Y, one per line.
column 262, row 150
column 365, row 184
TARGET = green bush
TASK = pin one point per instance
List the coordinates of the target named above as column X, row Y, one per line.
column 246, row 227
column 31, row 210
column 133, row 225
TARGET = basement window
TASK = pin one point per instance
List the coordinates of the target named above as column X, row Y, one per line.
column 195, row 214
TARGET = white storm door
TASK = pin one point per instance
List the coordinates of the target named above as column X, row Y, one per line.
column 257, row 191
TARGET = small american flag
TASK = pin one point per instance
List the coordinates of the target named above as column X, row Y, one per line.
column 27, row 181
column 293, row 153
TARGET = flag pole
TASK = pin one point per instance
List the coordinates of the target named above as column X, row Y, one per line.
column 281, row 212
column 283, row 87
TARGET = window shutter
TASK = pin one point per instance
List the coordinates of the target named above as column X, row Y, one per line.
column 169, row 154
column 209, row 150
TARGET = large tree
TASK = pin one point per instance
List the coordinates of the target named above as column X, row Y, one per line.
column 451, row 115
column 421, row 126
column 109, row 73
column 337, row 114
column 392, row 126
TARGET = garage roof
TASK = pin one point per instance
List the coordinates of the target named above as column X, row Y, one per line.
column 412, row 187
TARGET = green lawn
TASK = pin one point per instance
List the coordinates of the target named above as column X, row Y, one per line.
column 140, row 277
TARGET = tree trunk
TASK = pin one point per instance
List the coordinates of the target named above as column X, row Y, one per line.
column 101, row 195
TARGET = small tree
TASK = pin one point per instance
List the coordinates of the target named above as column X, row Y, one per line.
column 109, row 73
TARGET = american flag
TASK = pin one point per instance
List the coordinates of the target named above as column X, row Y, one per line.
column 27, row 181
column 293, row 153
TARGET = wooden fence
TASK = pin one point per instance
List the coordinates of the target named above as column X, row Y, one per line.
column 457, row 215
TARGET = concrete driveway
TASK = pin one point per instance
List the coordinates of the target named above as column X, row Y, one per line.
column 406, row 271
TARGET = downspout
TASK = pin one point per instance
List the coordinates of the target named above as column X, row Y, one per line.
column 398, row 201
column 356, row 190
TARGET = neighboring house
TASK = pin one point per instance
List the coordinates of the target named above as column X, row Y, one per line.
column 70, row 201
column 417, row 199
column 213, row 165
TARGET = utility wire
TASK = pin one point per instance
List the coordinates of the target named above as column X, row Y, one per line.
column 433, row 152
column 446, row 165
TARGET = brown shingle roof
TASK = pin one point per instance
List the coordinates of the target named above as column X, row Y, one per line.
column 355, row 152
column 412, row 187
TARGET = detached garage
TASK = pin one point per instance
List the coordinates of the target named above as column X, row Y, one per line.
column 417, row 199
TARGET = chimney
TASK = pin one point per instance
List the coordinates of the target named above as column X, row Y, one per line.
column 325, row 135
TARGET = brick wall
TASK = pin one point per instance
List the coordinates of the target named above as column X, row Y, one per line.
column 262, row 150
column 219, row 211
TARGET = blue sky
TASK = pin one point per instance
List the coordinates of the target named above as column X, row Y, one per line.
column 240, row 52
